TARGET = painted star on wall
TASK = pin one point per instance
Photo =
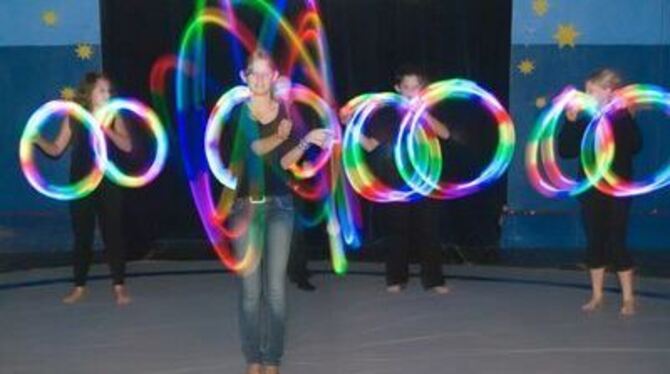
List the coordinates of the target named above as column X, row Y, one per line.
column 566, row 35
column 526, row 67
column 50, row 18
column 540, row 7
column 84, row 51
column 68, row 93
column 540, row 102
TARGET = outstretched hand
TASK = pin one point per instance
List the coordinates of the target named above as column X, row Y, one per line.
column 319, row 137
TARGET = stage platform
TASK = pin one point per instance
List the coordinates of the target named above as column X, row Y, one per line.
column 183, row 319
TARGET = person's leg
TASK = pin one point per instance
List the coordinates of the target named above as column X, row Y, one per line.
column 297, row 265
column 424, row 225
column 278, row 246
column 626, row 279
column 621, row 259
column 249, row 315
column 109, row 208
column 393, row 217
column 592, row 206
column 255, row 369
column 597, row 282
column 82, row 219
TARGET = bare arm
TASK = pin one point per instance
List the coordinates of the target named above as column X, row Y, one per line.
column 56, row 147
column 438, row 127
column 119, row 135
column 269, row 143
column 266, row 145
column 318, row 137
column 294, row 155
column 368, row 143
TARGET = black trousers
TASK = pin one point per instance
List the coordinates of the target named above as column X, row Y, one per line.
column 299, row 258
column 297, row 265
column 605, row 221
column 411, row 227
column 103, row 206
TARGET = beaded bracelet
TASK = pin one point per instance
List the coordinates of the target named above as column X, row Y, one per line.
column 304, row 144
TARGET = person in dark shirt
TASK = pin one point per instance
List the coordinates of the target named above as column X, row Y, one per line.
column 605, row 217
column 267, row 147
column 407, row 226
column 103, row 204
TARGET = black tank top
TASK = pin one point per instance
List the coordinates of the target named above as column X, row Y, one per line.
column 81, row 162
column 82, row 153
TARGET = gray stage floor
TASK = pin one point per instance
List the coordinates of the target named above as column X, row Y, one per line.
column 183, row 320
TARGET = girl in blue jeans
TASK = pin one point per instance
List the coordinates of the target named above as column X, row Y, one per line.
column 268, row 148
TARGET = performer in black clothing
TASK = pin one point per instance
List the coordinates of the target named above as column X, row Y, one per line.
column 104, row 204
column 605, row 217
column 407, row 226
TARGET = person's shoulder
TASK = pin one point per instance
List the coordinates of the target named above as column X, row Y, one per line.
column 622, row 115
column 282, row 108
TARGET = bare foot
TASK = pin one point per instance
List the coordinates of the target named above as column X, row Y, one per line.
column 396, row 288
column 121, row 294
column 76, row 295
column 441, row 290
column 627, row 308
column 254, row 369
column 594, row 304
column 271, row 370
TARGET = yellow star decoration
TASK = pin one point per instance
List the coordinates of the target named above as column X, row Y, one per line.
column 526, row 67
column 84, row 51
column 566, row 35
column 50, row 18
column 67, row 93
column 540, row 102
column 540, row 7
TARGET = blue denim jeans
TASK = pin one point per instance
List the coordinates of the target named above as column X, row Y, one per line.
column 262, row 314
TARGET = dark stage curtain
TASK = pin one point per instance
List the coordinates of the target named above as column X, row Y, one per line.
column 369, row 40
